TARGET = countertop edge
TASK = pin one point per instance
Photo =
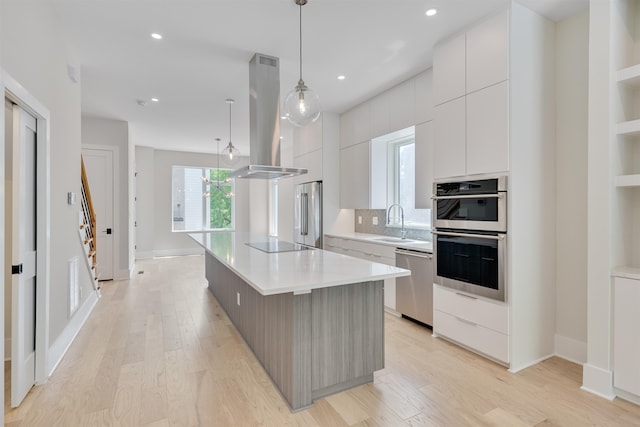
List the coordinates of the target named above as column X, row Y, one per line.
column 371, row 238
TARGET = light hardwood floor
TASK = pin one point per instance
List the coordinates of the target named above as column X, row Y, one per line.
column 159, row 351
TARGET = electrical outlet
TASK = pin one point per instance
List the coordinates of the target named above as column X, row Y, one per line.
column 374, row 220
column 238, row 298
column 359, row 219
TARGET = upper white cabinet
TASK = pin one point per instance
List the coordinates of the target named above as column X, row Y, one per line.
column 355, row 125
column 424, row 165
column 308, row 138
column 487, row 53
column 347, row 125
column 379, row 109
column 449, row 69
column 402, row 106
column 471, row 91
column 488, row 130
column 363, row 176
column 424, row 96
column 449, row 139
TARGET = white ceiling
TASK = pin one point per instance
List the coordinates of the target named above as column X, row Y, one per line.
column 204, row 55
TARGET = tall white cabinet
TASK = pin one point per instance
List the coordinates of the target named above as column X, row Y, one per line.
column 493, row 114
column 470, row 74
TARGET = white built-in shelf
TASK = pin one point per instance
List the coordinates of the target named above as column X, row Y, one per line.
column 628, row 181
column 629, row 76
column 627, row 272
column 629, row 128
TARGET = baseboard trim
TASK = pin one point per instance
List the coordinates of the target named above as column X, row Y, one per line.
column 597, row 381
column 63, row 342
column 570, row 349
column 630, row 397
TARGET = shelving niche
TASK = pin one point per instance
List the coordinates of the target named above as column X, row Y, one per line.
column 628, row 130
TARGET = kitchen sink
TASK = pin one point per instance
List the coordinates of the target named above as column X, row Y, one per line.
column 394, row 240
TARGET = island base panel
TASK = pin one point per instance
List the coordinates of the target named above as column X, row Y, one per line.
column 311, row 345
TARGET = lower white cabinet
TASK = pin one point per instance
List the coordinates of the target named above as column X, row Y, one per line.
column 371, row 252
column 626, row 336
column 476, row 323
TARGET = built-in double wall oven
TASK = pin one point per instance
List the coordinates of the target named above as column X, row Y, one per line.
column 470, row 230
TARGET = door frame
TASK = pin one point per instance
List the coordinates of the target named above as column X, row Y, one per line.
column 14, row 91
column 115, row 152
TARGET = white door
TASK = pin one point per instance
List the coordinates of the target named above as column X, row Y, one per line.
column 99, row 167
column 23, row 286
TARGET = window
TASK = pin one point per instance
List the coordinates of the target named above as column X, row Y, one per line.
column 198, row 206
column 401, row 179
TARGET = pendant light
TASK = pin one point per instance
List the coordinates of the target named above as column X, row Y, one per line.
column 302, row 105
column 230, row 151
column 217, row 185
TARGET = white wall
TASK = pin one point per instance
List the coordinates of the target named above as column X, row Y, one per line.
column 115, row 133
column 38, row 60
column 154, row 205
column 572, row 61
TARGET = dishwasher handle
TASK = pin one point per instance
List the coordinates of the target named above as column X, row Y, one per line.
column 414, row 253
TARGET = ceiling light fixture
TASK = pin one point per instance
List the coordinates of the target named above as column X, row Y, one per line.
column 155, row 99
column 230, row 151
column 302, row 105
column 341, row 77
column 217, row 184
column 431, row 12
column 156, row 36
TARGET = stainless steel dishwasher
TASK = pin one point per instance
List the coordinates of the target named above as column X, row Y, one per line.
column 414, row 294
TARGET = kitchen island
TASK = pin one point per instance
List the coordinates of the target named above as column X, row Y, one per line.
column 313, row 318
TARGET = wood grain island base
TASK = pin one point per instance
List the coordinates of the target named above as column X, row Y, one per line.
column 311, row 344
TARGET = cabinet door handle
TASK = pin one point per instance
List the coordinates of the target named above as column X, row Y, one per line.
column 468, row 322
column 466, row 296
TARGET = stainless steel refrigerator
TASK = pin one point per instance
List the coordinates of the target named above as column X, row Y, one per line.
column 308, row 214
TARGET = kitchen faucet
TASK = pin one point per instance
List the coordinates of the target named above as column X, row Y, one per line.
column 403, row 232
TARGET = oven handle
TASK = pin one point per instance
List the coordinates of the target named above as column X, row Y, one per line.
column 470, row 196
column 477, row 236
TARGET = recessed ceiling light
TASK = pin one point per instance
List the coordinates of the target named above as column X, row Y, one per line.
column 431, row 12
column 341, row 77
column 156, row 36
column 155, row 99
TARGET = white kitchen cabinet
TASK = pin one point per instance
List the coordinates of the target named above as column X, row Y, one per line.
column 307, row 139
column 424, row 165
column 424, row 96
column 449, row 132
column 449, row 69
column 363, row 176
column 313, row 163
column 488, row 130
column 379, row 110
column 347, row 124
column 478, row 324
column 626, row 337
column 402, row 106
column 487, row 52
column 354, row 176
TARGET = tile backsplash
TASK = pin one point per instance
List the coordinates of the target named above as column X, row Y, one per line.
column 368, row 227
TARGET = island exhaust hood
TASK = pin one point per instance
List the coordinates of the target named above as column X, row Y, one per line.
column 264, row 122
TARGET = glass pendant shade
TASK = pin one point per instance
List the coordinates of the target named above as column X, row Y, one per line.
column 302, row 105
column 231, row 153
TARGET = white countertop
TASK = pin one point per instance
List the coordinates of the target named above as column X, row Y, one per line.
column 298, row 272
column 392, row 241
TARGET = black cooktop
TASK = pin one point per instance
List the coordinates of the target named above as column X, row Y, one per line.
column 278, row 246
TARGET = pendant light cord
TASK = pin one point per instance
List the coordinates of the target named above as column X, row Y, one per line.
column 300, row 21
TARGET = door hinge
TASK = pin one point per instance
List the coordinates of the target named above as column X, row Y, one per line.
column 16, row 269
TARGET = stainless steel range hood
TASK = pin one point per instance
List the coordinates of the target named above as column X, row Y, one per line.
column 264, row 122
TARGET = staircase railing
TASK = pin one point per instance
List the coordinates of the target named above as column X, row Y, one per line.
column 88, row 226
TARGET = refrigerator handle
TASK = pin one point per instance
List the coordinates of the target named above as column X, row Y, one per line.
column 305, row 214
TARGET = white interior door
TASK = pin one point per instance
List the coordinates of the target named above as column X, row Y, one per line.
column 23, row 286
column 99, row 167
